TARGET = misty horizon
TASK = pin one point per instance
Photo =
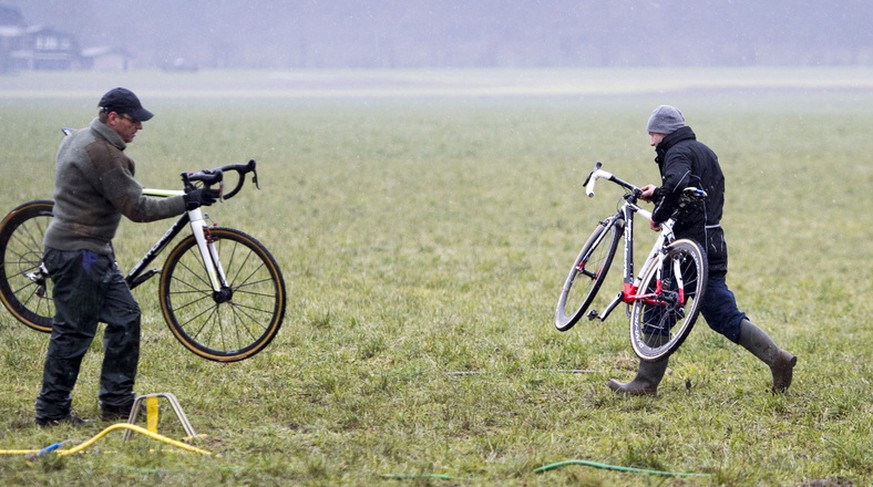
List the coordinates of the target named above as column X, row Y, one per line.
column 272, row 34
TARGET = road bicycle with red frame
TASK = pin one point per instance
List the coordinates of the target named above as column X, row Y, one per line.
column 663, row 301
column 221, row 291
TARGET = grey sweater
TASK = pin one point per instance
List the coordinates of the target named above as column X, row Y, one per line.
column 94, row 187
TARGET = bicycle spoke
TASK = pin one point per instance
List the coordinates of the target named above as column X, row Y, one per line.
column 211, row 311
column 192, row 302
column 244, row 309
column 240, row 311
column 241, row 267
column 28, row 238
column 254, row 293
column 199, row 277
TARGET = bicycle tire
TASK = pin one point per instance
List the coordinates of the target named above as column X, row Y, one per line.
column 658, row 327
column 230, row 329
column 25, row 289
column 597, row 253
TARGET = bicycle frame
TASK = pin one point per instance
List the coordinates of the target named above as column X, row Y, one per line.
column 625, row 219
column 200, row 230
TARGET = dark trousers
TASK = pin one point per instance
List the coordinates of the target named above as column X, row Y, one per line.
column 719, row 307
column 87, row 289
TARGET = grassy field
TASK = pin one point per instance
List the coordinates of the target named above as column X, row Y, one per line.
column 425, row 223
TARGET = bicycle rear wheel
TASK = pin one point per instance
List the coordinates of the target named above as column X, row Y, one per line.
column 235, row 323
column 662, row 320
column 25, row 288
column 590, row 269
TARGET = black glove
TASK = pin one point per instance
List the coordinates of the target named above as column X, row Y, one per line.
column 200, row 197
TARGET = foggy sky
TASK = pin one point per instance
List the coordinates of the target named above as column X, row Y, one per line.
column 467, row 33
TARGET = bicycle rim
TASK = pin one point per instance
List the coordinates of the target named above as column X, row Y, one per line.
column 24, row 289
column 229, row 327
column 587, row 274
column 661, row 323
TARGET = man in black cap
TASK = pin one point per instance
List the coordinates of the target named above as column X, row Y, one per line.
column 123, row 103
column 684, row 161
column 94, row 187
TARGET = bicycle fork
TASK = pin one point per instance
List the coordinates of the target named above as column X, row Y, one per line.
column 221, row 292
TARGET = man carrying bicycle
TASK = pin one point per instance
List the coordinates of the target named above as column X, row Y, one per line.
column 683, row 161
column 94, row 187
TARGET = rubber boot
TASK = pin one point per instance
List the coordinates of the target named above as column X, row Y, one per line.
column 645, row 383
column 781, row 362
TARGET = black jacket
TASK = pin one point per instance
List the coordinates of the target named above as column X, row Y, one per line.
column 684, row 161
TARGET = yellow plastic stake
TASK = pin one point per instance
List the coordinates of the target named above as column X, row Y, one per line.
column 151, row 407
column 152, row 414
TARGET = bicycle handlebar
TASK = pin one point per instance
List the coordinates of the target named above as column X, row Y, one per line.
column 690, row 195
column 216, row 176
column 598, row 173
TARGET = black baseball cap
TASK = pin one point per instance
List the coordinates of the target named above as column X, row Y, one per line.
column 123, row 101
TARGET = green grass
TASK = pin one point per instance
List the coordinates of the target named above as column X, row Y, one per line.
column 421, row 236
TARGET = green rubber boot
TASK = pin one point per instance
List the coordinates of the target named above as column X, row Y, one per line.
column 645, row 383
column 781, row 362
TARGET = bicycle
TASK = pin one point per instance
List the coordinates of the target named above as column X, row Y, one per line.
column 221, row 292
column 663, row 301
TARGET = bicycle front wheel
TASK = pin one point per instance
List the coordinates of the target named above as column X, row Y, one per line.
column 25, row 288
column 588, row 273
column 234, row 323
column 668, row 307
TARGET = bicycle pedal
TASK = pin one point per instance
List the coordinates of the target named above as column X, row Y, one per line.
column 592, row 314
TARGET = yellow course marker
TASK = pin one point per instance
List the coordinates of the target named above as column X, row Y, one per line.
column 152, row 414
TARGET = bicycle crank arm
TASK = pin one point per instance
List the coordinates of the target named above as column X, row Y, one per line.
column 619, row 298
column 136, row 281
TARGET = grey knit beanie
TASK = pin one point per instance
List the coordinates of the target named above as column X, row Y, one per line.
column 665, row 120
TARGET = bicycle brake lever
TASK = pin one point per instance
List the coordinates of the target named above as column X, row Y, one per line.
column 597, row 165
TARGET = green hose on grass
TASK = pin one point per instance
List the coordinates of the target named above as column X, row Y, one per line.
column 553, row 466
column 617, row 468
column 401, row 476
